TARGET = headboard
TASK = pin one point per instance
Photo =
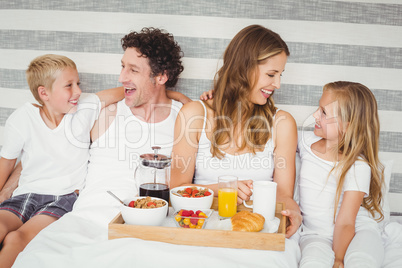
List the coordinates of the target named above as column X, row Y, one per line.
column 329, row 40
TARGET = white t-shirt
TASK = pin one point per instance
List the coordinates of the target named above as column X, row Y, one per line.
column 246, row 166
column 318, row 191
column 54, row 161
column 114, row 158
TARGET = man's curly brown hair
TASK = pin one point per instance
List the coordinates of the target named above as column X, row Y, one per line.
column 160, row 48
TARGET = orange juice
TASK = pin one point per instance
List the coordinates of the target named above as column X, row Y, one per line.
column 227, row 202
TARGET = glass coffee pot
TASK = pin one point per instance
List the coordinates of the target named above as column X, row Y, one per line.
column 152, row 175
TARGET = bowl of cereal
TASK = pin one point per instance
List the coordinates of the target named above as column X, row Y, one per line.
column 144, row 210
column 191, row 197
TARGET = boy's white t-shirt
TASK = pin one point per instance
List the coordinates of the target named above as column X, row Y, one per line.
column 54, row 161
column 317, row 190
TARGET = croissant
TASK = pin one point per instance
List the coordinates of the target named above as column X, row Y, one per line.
column 245, row 221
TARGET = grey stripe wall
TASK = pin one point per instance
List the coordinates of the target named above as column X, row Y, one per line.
column 259, row 9
column 208, row 48
column 324, row 37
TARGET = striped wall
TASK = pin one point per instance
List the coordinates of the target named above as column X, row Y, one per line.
column 356, row 40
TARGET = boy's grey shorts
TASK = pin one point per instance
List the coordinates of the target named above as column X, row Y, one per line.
column 26, row 206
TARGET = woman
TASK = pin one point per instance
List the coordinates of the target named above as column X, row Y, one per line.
column 241, row 131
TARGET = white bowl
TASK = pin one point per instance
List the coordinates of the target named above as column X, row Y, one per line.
column 141, row 216
column 179, row 202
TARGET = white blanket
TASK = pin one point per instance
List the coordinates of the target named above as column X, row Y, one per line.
column 80, row 239
column 76, row 241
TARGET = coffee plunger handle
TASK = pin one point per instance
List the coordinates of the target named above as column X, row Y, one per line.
column 156, row 148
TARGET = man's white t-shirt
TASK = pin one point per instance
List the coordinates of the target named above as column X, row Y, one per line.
column 317, row 190
column 54, row 161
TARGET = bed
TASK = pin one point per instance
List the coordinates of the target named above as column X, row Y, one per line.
column 80, row 239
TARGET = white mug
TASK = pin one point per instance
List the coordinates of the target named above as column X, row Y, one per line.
column 264, row 199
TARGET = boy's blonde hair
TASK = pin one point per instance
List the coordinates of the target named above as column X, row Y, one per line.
column 358, row 107
column 43, row 71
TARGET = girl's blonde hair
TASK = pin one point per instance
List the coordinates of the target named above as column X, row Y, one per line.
column 357, row 107
column 43, row 71
column 232, row 85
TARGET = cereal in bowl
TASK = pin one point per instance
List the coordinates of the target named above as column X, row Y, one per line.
column 146, row 203
column 194, row 192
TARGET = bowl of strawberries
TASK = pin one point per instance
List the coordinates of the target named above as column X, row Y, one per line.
column 191, row 197
column 192, row 219
column 144, row 210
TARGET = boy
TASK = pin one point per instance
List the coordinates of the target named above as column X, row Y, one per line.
column 53, row 140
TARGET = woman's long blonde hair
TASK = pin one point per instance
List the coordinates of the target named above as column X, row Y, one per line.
column 358, row 107
column 234, row 113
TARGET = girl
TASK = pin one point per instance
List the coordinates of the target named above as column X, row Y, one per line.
column 340, row 181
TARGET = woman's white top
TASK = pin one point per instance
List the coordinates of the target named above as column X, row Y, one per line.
column 246, row 166
column 317, row 190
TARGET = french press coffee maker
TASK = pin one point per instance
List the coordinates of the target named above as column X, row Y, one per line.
column 152, row 175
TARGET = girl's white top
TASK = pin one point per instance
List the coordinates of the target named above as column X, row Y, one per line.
column 317, row 190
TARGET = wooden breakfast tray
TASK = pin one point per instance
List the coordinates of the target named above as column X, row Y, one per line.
column 204, row 237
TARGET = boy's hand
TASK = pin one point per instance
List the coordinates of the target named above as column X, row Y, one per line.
column 5, row 194
column 207, row 95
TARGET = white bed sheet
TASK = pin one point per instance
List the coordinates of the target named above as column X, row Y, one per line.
column 80, row 239
column 76, row 241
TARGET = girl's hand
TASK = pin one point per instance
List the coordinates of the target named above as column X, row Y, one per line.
column 243, row 191
column 206, row 95
column 338, row 264
column 294, row 221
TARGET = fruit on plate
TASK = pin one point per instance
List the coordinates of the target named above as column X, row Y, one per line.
column 194, row 192
column 189, row 219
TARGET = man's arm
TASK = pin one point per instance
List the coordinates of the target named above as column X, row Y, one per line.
column 9, row 182
column 177, row 96
column 111, row 95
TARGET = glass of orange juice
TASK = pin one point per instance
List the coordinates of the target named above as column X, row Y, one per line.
column 227, row 196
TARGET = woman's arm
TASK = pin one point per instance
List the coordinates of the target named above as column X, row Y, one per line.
column 285, row 142
column 187, row 131
column 111, row 95
column 177, row 96
column 344, row 230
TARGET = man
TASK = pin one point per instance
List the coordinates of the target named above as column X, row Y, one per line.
column 145, row 118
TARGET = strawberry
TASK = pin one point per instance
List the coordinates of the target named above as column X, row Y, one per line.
column 207, row 193
column 185, row 195
column 150, row 204
column 131, row 204
column 188, row 190
column 194, row 221
column 186, row 213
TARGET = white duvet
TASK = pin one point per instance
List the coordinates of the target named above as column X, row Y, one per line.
column 79, row 239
